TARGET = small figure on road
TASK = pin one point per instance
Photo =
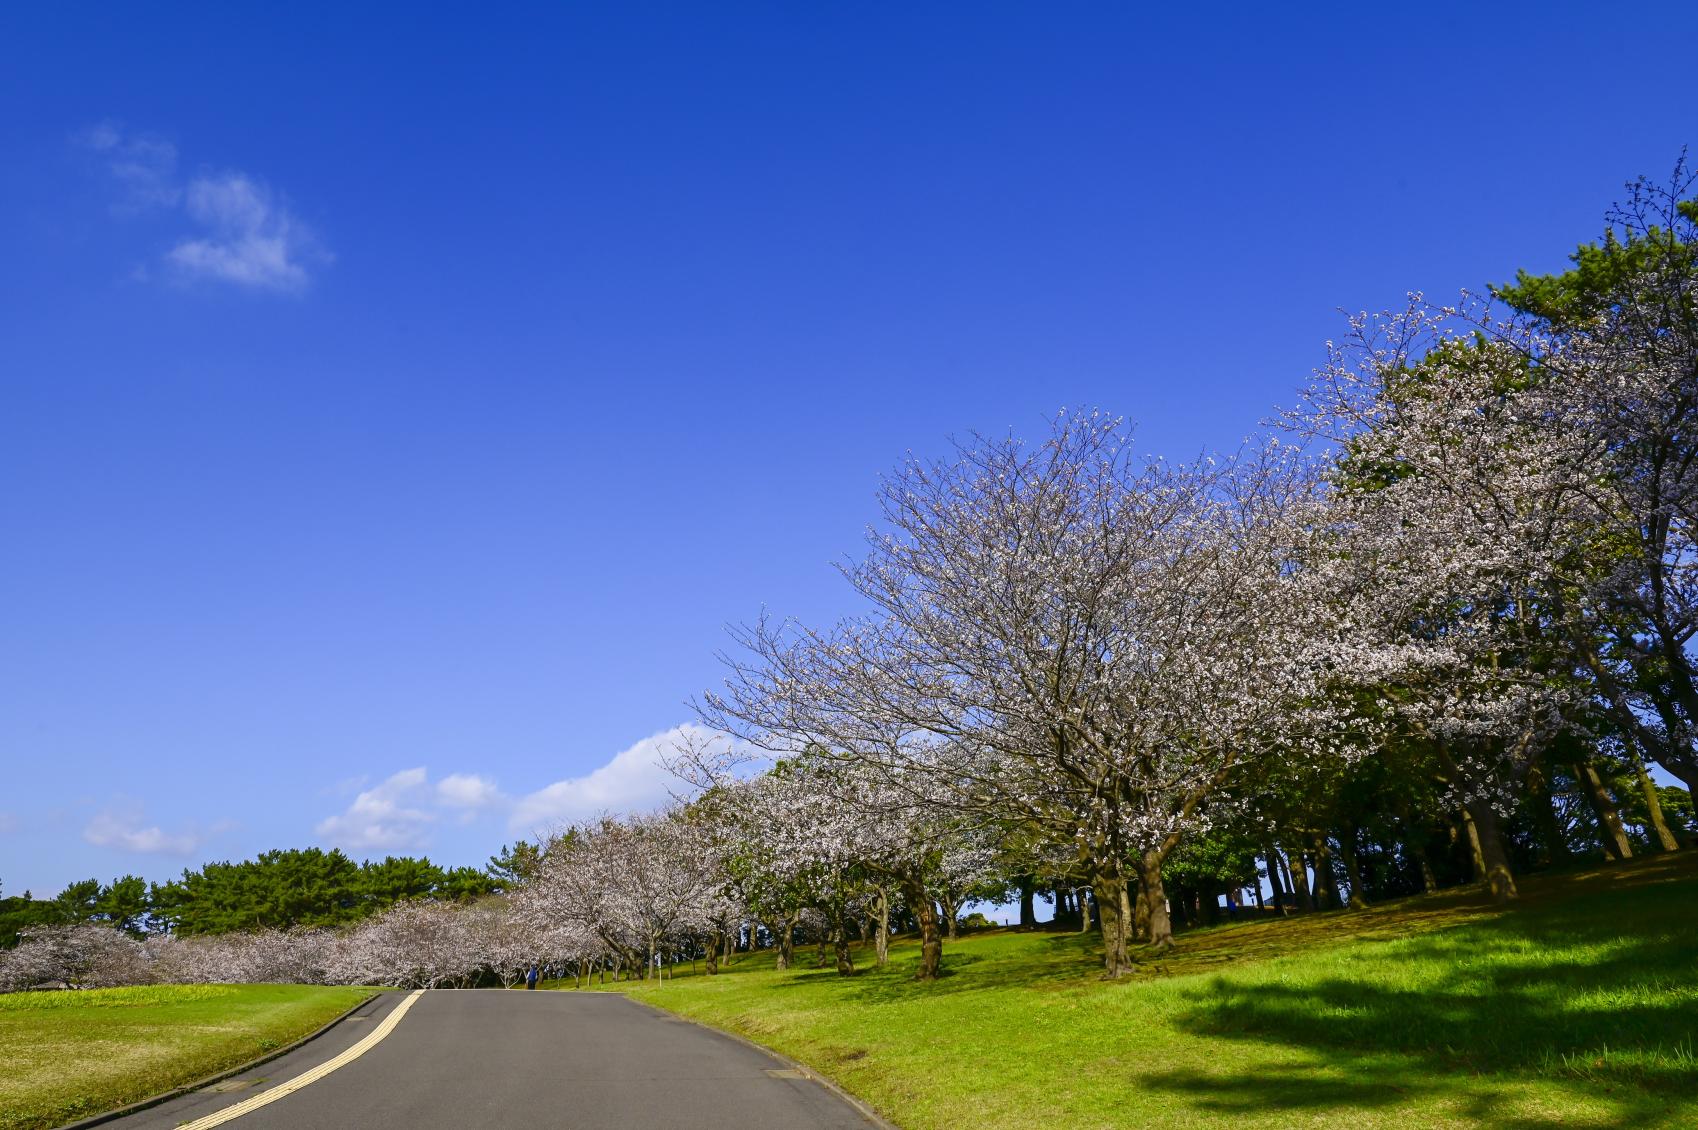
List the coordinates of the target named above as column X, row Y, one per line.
column 531, row 978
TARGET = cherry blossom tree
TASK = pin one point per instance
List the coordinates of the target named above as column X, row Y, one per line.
column 1063, row 637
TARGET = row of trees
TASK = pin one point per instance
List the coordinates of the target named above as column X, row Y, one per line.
column 280, row 889
column 413, row 944
column 1435, row 628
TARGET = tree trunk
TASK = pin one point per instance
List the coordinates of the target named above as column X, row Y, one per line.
column 1080, row 901
column 1149, row 880
column 1423, row 860
column 950, row 917
column 1028, row 908
column 1326, row 882
column 881, row 939
column 1654, row 807
column 1274, row 881
column 1610, row 830
column 931, row 942
column 840, row 946
column 710, row 959
column 1299, row 873
column 1141, row 915
column 1544, row 814
column 784, row 936
column 1486, row 843
column 1109, row 891
column 1352, row 867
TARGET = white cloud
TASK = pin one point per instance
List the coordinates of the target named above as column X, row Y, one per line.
column 467, row 790
column 384, row 818
column 121, row 827
column 250, row 238
column 632, row 781
column 245, row 233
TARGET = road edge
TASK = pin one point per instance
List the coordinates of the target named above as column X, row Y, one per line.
column 186, row 1088
column 825, row 1081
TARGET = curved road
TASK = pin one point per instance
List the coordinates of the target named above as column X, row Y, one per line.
column 472, row 1058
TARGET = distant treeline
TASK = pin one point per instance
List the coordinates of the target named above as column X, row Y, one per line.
column 306, row 887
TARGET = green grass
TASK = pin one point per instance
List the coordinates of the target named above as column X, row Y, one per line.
column 66, row 1055
column 1577, row 1008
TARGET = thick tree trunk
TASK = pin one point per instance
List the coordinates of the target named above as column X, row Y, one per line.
column 785, row 937
column 1654, row 807
column 1486, row 842
column 1028, row 906
column 1141, row 915
column 1081, row 901
column 931, row 942
column 1110, row 894
column 951, row 917
column 710, row 960
column 1610, row 830
column 1149, row 880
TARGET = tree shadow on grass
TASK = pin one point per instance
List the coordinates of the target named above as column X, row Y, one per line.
column 1601, row 990
column 1308, row 1095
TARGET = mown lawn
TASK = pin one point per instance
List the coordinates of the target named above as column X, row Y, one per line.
column 1577, row 1008
column 66, row 1055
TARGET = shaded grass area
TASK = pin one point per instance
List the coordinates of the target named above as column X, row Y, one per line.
column 1578, row 1007
column 67, row 1055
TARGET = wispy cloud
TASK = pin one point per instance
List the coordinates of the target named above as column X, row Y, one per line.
column 400, row 812
column 243, row 231
column 123, row 827
column 142, row 167
column 633, row 781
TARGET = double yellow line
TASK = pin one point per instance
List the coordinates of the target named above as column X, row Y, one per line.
column 306, row 1078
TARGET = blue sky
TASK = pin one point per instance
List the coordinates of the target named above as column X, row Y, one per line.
column 397, row 404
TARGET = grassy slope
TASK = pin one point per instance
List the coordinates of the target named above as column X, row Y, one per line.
column 1577, row 1008
column 67, row 1055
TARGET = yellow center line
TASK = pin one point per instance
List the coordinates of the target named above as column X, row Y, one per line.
column 306, row 1078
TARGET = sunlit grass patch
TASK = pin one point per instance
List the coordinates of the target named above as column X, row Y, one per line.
column 65, row 1055
column 136, row 996
column 1577, row 1008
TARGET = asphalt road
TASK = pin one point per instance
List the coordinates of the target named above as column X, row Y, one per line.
column 487, row 1058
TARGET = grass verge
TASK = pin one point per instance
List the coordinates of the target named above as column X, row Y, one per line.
column 1577, row 1008
column 67, row 1055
